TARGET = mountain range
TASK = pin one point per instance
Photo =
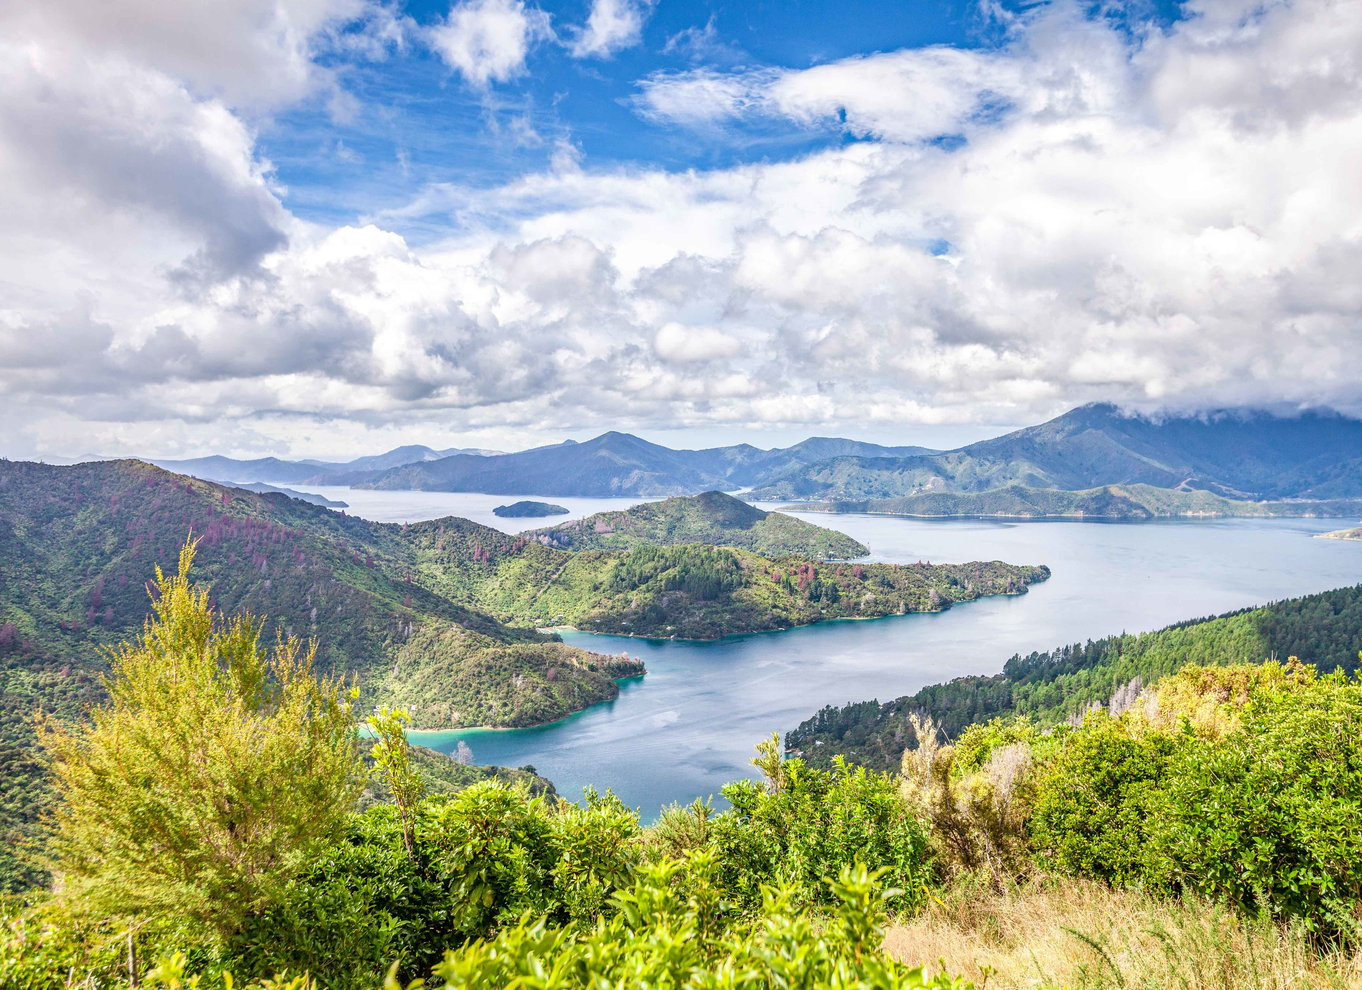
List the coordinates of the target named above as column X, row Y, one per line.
column 614, row 464
column 611, row 464
column 1236, row 454
column 272, row 469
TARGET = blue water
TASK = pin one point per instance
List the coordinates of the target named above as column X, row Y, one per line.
column 689, row 726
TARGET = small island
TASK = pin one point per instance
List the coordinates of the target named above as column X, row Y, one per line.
column 1343, row 534
column 525, row 509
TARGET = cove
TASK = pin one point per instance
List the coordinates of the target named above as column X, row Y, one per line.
column 690, row 725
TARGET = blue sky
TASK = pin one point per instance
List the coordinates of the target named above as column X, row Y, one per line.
column 416, row 121
column 420, row 122
column 329, row 227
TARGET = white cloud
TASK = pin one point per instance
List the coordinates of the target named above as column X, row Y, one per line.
column 487, row 41
column 899, row 96
column 612, row 26
column 256, row 53
column 675, row 342
column 1174, row 223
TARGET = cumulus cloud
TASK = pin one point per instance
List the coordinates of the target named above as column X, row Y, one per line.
column 487, row 41
column 675, row 342
column 249, row 52
column 612, row 26
column 899, row 96
column 1168, row 221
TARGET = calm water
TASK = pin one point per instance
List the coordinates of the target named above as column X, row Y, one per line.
column 689, row 726
column 402, row 507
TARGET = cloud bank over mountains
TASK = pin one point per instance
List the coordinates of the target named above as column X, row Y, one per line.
column 1160, row 218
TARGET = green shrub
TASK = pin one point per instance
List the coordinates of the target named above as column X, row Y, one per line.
column 1092, row 806
column 597, row 850
column 660, row 935
column 480, row 859
column 210, row 775
column 1255, row 798
column 1270, row 817
column 805, row 825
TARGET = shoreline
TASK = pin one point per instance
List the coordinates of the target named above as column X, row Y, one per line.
column 1065, row 516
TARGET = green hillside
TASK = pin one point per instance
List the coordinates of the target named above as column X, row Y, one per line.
column 1109, row 502
column 1323, row 629
column 689, row 591
column 79, row 544
column 448, row 675
column 713, row 518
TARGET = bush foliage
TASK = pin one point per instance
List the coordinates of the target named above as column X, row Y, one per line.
column 209, row 823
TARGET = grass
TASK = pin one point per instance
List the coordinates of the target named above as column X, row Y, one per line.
column 1081, row 935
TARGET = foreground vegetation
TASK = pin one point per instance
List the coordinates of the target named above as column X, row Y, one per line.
column 208, row 822
column 1062, row 931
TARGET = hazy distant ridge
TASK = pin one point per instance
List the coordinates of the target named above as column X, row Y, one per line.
column 1239, row 455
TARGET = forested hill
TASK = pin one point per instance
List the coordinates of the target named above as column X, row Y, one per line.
column 1237, row 454
column 711, row 517
column 1323, row 629
column 77, row 545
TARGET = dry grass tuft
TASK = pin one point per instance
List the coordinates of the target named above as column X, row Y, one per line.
column 1080, row 935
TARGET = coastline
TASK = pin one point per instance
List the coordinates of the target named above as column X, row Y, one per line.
column 1347, row 535
column 427, row 730
column 821, row 509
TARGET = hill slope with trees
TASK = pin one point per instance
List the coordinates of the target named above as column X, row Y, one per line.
column 1323, row 629
column 713, row 518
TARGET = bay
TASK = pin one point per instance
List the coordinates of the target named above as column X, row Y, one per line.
column 690, row 725
column 410, row 507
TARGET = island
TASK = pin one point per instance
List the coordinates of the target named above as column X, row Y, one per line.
column 1343, row 534
column 526, row 509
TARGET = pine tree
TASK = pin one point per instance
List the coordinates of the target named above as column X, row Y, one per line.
column 212, row 771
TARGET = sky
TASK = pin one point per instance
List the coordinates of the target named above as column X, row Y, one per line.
column 328, row 227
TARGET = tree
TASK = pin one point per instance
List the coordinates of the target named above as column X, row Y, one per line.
column 209, row 776
column 392, row 758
